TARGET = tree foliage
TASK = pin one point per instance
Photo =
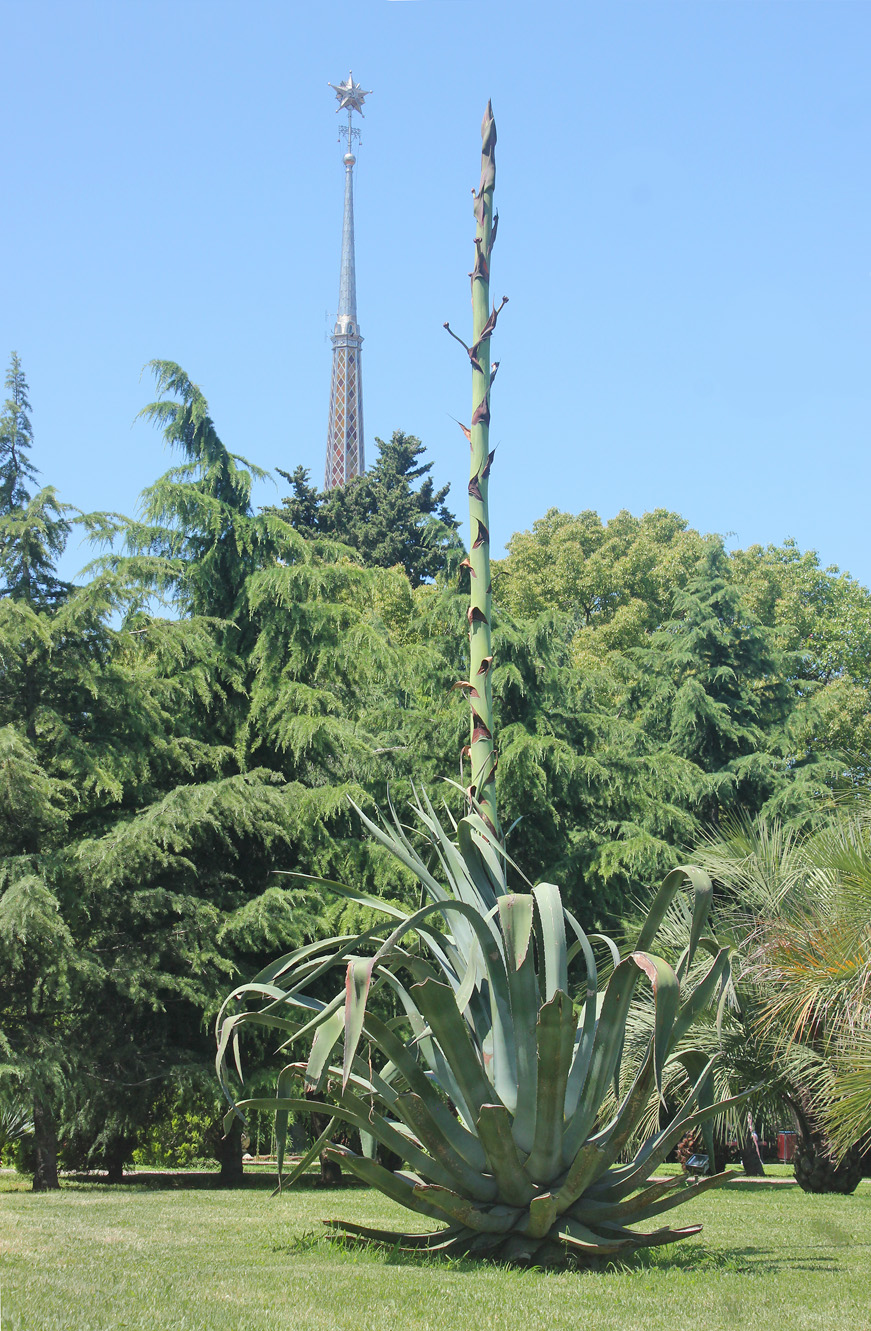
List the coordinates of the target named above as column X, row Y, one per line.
column 383, row 514
column 156, row 771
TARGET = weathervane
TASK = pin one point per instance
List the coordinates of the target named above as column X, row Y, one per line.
column 350, row 96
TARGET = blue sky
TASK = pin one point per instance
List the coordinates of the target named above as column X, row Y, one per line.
column 684, row 237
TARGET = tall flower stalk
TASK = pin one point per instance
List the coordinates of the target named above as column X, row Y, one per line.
column 482, row 748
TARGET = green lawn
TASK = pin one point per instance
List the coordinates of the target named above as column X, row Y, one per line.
column 149, row 1255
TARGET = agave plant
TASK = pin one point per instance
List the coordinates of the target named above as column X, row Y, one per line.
column 496, row 1076
column 489, row 1084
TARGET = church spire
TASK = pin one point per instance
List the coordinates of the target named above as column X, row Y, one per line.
column 345, row 455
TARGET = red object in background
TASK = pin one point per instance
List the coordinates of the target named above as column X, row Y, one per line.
column 786, row 1144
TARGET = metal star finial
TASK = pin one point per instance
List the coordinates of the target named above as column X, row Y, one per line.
column 350, row 95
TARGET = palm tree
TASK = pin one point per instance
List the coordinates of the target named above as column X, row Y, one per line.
column 800, row 906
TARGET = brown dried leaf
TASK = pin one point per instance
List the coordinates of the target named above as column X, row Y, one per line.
column 475, row 490
column 467, row 563
column 482, row 268
column 488, row 464
column 483, row 537
column 465, row 684
column 481, row 414
column 476, row 615
column 485, row 665
column 479, row 729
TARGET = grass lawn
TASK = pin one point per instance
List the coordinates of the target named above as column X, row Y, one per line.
column 167, row 1258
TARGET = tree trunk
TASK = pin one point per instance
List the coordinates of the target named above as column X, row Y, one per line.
column 331, row 1170
column 44, row 1147
column 229, row 1153
column 816, row 1169
column 116, row 1153
column 751, row 1156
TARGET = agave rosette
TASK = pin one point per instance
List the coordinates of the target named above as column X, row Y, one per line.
column 493, row 1082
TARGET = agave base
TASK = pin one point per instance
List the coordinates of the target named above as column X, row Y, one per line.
column 585, row 1234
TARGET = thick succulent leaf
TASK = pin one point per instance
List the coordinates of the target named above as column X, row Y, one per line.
column 357, row 981
column 483, row 933
column 620, row 1184
column 584, row 1047
column 472, row 1182
column 607, row 1048
column 319, row 1019
column 461, row 877
column 283, row 1088
column 403, row 852
column 551, row 930
column 456, row 872
column 578, row 1238
column 648, row 1157
column 717, row 975
column 489, row 940
column 555, row 1031
column 590, row 1162
column 368, row 1145
column 394, row 1186
column 542, row 1214
column 672, row 883
column 654, row 1240
column 464, row 1142
column 298, row 957
column 492, row 1220
column 225, row 1025
column 439, row 1007
column 229, row 1037
column 476, row 838
column 363, row 1116
column 485, row 869
column 516, row 919
column 611, row 1139
column 666, row 997
column 636, row 1212
column 612, row 947
column 350, row 894
column 435, row 1241
column 700, row 1072
column 520, row 1249
column 430, row 1051
column 504, row 1161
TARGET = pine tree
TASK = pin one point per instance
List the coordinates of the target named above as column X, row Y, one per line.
column 136, row 861
column 16, row 437
column 716, row 689
column 303, row 508
column 384, row 514
column 33, row 529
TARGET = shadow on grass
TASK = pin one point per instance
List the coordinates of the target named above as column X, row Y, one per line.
column 672, row 1257
column 178, row 1180
column 761, row 1184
